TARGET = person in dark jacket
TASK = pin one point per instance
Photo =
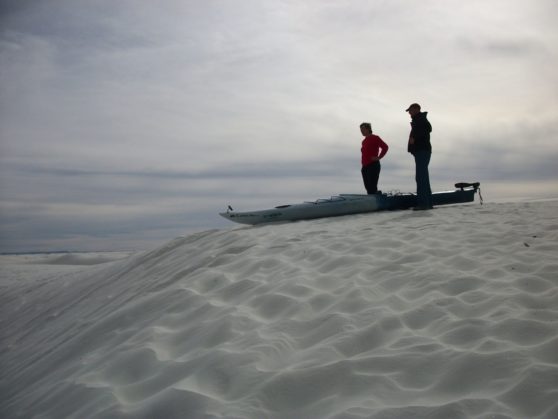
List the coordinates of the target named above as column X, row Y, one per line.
column 421, row 149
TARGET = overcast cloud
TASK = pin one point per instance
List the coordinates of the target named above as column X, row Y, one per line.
column 124, row 124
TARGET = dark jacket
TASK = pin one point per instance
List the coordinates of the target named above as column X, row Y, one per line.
column 420, row 131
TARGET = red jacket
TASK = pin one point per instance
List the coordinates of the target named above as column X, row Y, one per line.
column 371, row 146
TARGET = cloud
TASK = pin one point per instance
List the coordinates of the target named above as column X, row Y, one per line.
column 498, row 48
column 165, row 113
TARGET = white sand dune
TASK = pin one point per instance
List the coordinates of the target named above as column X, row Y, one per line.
column 76, row 259
column 451, row 313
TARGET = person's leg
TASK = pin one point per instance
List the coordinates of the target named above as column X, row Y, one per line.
column 370, row 176
column 374, row 176
column 422, row 160
column 364, row 172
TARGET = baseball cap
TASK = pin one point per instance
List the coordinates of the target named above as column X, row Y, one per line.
column 413, row 105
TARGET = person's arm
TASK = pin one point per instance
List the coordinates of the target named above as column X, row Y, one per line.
column 411, row 143
column 383, row 148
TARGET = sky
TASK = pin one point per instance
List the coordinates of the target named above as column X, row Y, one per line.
column 124, row 124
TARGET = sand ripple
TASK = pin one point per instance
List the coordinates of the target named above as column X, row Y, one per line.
column 447, row 314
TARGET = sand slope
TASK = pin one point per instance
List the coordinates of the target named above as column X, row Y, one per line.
column 451, row 313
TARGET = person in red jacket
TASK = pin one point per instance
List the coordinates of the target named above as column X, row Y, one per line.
column 373, row 150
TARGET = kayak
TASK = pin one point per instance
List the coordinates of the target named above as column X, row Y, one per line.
column 347, row 204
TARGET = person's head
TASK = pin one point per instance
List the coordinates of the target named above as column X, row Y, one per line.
column 366, row 128
column 413, row 110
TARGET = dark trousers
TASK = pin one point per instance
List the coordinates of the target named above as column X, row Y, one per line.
column 370, row 176
column 424, row 193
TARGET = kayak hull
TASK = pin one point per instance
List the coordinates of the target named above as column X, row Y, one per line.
column 347, row 204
